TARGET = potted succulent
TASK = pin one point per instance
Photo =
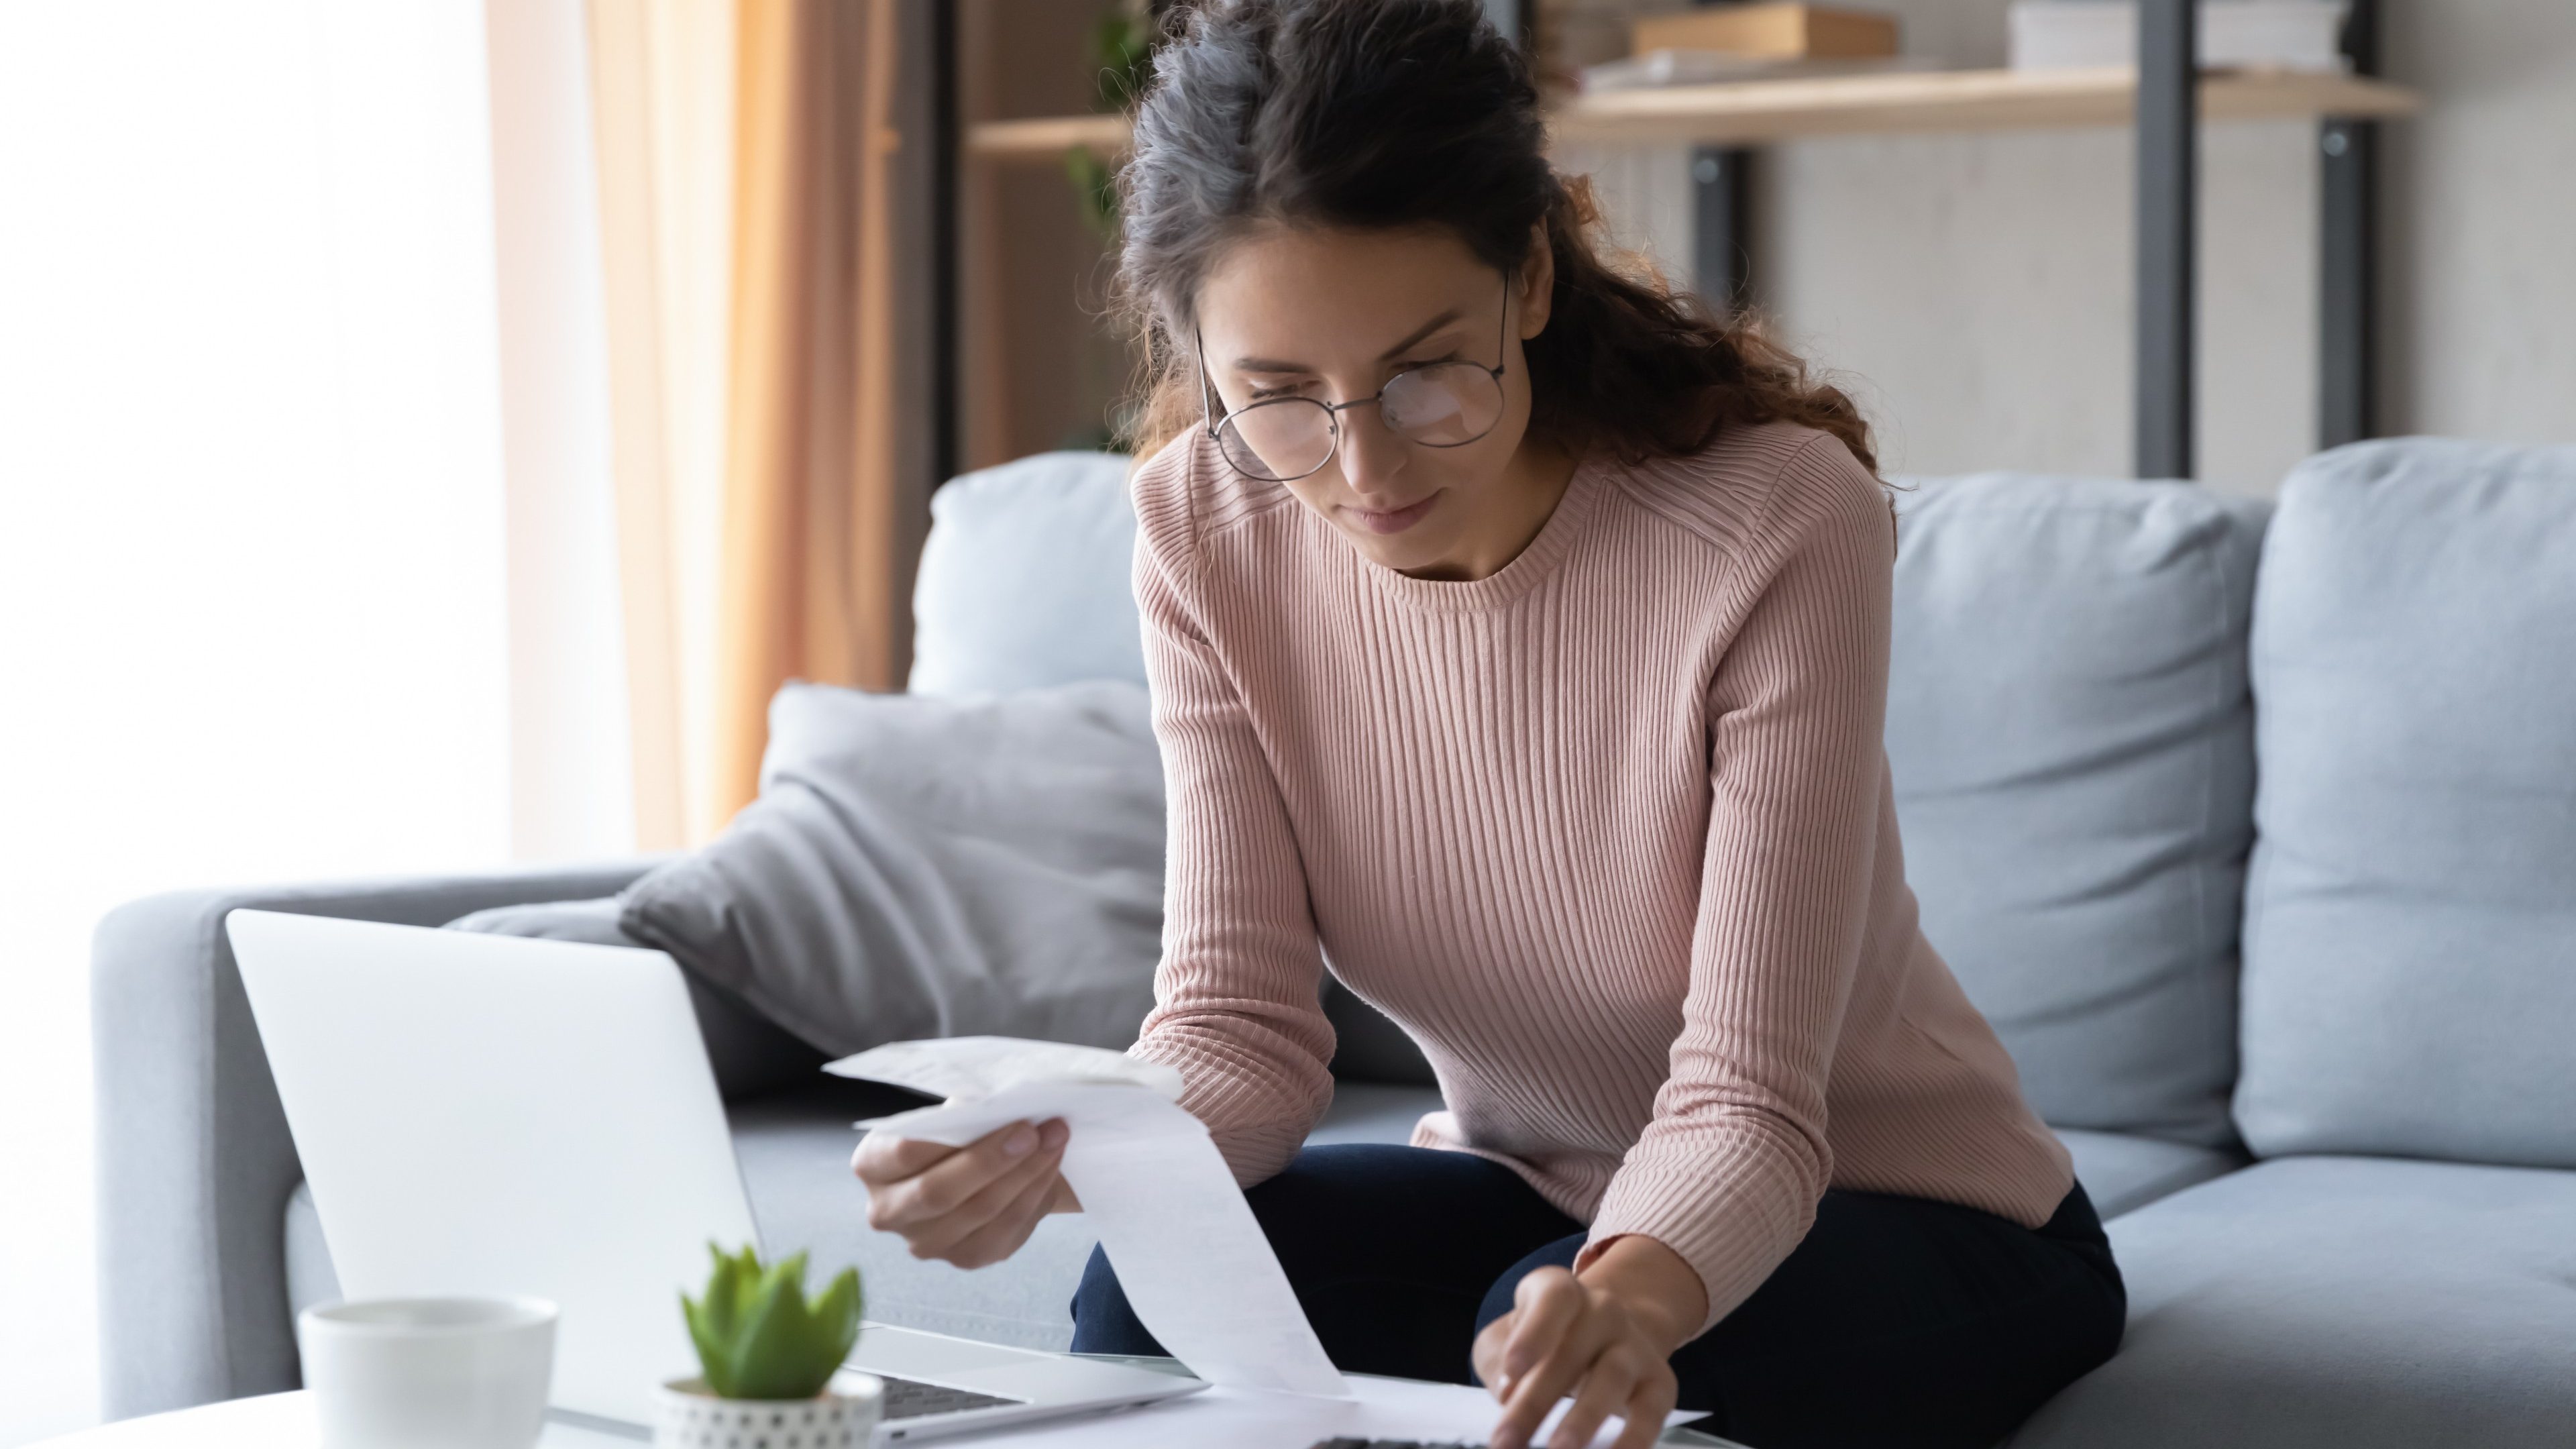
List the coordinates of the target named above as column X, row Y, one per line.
column 767, row 1357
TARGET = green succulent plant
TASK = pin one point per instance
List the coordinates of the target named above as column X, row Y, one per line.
column 757, row 1336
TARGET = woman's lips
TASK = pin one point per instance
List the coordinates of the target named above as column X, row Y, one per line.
column 1391, row 520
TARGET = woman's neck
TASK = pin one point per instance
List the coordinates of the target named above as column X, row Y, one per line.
column 1534, row 482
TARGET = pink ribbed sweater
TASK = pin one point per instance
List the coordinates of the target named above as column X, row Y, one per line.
column 1610, row 833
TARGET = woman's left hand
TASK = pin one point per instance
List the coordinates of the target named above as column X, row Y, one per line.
column 1587, row 1337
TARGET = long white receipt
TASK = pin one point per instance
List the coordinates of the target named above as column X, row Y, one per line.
column 1193, row 1261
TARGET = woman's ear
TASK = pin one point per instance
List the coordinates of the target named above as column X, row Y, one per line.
column 1538, row 284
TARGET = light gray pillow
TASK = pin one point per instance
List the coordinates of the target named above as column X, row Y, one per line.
column 2410, row 925
column 919, row 867
column 2071, row 736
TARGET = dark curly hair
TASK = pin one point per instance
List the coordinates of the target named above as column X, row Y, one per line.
column 1385, row 114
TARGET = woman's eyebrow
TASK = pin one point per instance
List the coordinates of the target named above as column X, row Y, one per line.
column 1273, row 364
column 1418, row 333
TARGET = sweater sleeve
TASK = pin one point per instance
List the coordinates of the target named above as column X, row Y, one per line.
column 1729, row 1170
column 1237, row 1007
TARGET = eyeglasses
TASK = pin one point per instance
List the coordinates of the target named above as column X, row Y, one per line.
column 1439, row 405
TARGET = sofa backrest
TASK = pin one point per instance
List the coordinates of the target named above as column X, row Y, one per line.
column 2071, row 737
column 2410, row 920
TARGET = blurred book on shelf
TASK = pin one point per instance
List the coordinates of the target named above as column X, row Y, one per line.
column 2304, row 35
column 1707, row 67
column 1569, row 37
column 1780, row 32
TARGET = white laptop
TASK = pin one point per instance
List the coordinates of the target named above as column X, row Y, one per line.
column 482, row 1114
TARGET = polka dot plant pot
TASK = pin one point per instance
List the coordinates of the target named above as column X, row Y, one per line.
column 692, row 1418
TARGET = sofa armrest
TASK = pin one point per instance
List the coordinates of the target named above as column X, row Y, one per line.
column 194, row 1161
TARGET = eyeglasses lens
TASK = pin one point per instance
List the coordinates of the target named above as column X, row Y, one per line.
column 1289, row 438
column 1444, row 405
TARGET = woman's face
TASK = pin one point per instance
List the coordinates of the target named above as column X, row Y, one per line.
column 1332, row 315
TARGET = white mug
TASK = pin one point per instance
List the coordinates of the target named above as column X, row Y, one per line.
column 429, row 1373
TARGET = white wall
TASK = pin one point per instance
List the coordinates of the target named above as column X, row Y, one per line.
column 1976, row 289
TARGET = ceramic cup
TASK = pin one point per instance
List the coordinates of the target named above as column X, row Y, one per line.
column 842, row 1418
column 429, row 1373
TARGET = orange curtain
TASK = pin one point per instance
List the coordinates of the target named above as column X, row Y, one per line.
column 771, row 453
column 662, row 98
column 814, row 526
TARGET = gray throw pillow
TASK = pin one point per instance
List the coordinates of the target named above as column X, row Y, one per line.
column 919, row 867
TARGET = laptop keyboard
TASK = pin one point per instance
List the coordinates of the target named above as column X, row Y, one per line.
column 1347, row 1443
column 911, row 1398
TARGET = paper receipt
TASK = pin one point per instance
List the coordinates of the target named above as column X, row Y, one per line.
column 1191, row 1257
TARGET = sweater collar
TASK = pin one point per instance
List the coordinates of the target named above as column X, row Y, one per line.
column 1529, row 568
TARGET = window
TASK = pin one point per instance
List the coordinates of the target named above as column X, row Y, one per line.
column 253, row 612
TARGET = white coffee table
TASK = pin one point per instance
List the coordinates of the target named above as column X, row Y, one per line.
column 272, row 1421
column 285, row 1421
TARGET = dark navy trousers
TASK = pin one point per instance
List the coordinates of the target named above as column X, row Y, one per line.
column 1897, row 1321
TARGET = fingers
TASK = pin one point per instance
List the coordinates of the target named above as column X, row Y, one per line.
column 1608, row 1384
column 1565, row 1337
column 1546, row 1303
column 1647, row 1408
column 884, row 1159
column 1550, row 1348
column 976, row 1180
column 1033, row 1175
column 1009, row 1228
column 1487, row 1354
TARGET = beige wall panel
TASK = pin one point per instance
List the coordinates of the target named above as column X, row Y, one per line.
column 2481, row 221
column 1976, row 289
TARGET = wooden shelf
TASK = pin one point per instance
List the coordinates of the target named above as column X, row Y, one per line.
column 1957, row 100
column 1046, row 138
column 1895, row 103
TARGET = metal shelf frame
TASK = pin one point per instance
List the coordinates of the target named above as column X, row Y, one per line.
column 2165, row 108
column 2167, row 222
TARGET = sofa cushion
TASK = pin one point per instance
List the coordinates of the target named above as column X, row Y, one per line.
column 2071, row 737
column 2122, row 1172
column 2410, row 925
column 1024, row 579
column 2344, row 1302
column 919, row 867
column 795, row 1154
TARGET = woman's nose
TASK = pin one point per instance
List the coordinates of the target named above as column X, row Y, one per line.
column 1372, row 453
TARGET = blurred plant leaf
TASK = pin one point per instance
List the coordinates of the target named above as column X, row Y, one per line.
column 756, row 1335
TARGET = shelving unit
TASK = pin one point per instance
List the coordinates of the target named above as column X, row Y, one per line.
column 2162, row 99
column 1749, row 112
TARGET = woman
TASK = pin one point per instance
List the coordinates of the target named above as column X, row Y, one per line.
column 1518, row 638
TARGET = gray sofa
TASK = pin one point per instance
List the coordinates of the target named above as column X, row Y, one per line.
column 2253, row 829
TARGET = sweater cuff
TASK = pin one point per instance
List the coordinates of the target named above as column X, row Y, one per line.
column 1254, row 1120
column 1732, row 1239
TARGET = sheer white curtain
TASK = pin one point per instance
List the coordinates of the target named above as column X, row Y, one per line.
column 256, row 563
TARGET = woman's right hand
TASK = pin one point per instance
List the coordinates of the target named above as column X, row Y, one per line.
column 972, row 1205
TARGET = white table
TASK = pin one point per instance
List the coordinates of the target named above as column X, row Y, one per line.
column 285, row 1421
column 273, row 1421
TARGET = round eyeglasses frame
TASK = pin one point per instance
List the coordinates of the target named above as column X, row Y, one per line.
column 1212, row 420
